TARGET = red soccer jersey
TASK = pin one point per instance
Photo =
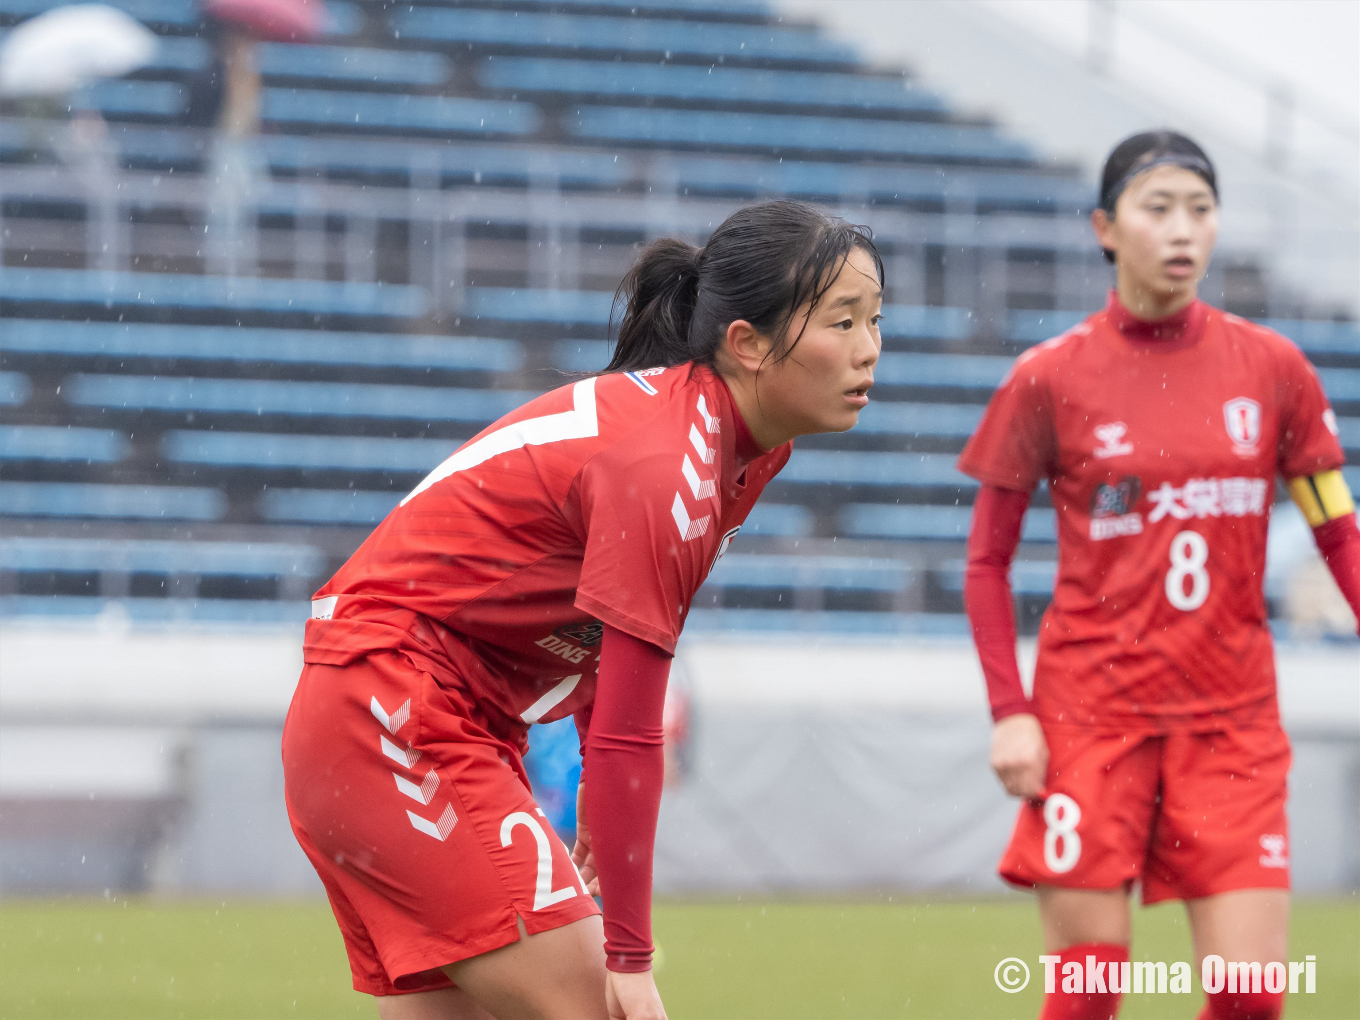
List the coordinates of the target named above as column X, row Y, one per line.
column 1161, row 444
column 606, row 500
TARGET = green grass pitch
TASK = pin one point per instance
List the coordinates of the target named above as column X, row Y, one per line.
column 746, row 959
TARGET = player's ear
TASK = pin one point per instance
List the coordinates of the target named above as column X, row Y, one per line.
column 746, row 345
column 1103, row 227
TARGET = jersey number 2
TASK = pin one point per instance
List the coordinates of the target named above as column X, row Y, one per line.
column 544, row 894
column 1189, row 556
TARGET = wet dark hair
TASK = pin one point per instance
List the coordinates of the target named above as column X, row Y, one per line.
column 1142, row 152
column 762, row 264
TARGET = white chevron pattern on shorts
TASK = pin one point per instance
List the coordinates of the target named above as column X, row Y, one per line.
column 404, row 756
column 438, row 830
column 424, row 792
column 395, row 721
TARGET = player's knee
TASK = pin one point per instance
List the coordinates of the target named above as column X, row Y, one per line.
column 1085, row 986
column 1245, row 1005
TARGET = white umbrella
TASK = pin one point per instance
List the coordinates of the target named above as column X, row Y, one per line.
column 68, row 47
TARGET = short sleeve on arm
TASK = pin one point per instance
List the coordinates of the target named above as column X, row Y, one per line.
column 638, row 573
column 1014, row 446
column 1308, row 431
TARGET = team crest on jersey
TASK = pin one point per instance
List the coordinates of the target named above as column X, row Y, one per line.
column 1112, row 513
column 1112, row 443
column 1242, row 418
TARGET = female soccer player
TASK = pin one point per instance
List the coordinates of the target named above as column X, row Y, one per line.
column 545, row 569
column 1151, row 750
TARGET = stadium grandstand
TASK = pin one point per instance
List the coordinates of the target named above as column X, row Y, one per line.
column 214, row 386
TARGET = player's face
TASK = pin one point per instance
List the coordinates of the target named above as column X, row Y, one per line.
column 823, row 383
column 1163, row 231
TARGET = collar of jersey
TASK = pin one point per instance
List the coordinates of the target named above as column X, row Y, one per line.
column 1172, row 333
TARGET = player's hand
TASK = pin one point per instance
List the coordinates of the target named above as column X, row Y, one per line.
column 582, row 855
column 632, row 996
column 1020, row 755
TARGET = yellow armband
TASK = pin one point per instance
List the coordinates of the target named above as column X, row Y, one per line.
column 1322, row 497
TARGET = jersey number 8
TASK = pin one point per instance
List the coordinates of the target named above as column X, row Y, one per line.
column 1189, row 554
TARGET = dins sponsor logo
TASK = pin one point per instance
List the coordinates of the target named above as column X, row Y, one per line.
column 573, row 642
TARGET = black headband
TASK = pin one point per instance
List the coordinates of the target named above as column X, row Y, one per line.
column 1180, row 159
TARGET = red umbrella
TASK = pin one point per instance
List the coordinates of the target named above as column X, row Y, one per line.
column 276, row 20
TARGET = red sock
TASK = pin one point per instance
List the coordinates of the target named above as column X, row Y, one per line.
column 1242, row 1006
column 1096, row 960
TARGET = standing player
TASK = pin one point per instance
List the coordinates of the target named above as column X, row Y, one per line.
column 544, row 570
column 1152, row 749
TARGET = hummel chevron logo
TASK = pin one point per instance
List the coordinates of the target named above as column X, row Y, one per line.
column 406, row 757
column 424, row 792
column 439, row 830
column 688, row 529
column 395, row 721
column 711, row 423
column 702, row 488
column 697, row 441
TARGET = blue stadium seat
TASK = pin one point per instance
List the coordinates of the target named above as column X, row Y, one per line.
column 838, row 622
column 15, row 389
column 343, row 18
column 531, row 30
column 303, row 399
column 275, row 346
column 1350, row 432
column 241, row 294
column 717, row 129
column 369, row 110
column 689, row 82
column 844, row 467
column 844, row 573
column 785, row 520
column 324, row 63
column 59, row 443
column 1341, row 383
column 327, row 506
column 153, row 556
column 886, row 417
column 510, row 304
column 893, row 520
column 1028, row 577
column 288, row 613
column 155, row 12
column 479, row 163
column 84, row 499
column 1319, row 337
column 757, row 178
column 264, row 450
column 957, row 371
column 746, row 8
column 1032, row 327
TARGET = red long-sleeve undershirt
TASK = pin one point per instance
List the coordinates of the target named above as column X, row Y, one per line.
column 623, row 773
column 1339, row 543
column 998, row 517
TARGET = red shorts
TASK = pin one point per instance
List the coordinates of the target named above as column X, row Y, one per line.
column 420, row 823
column 1188, row 814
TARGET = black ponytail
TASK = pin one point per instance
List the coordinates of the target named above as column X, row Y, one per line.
column 763, row 264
